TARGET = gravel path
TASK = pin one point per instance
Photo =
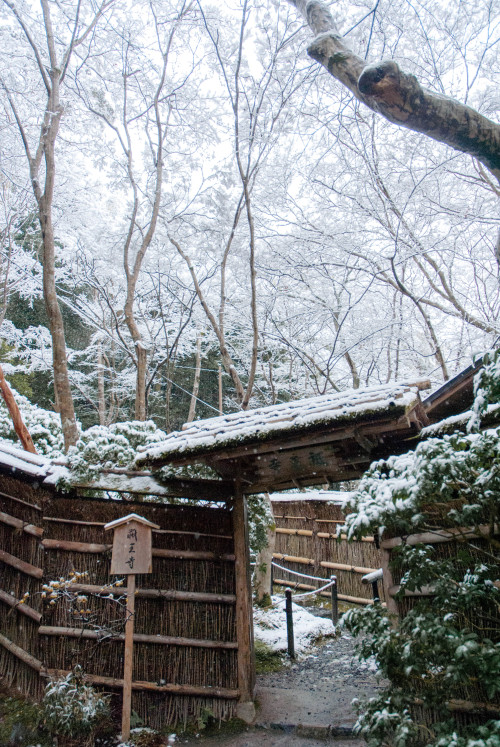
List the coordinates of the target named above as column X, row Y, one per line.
column 318, row 689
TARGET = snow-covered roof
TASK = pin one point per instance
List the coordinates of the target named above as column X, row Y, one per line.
column 327, row 496
column 264, row 423
column 18, row 461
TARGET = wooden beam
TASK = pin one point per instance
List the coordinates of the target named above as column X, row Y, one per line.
column 457, row 534
column 12, row 521
column 161, row 640
column 296, row 532
column 345, row 567
column 202, row 690
column 146, row 484
column 155, row 531
column 20, row 653
column 168, row 594
column 93, row 547
column 20, row 500
column 20, row 565
column 244, row 613
column 22, row 608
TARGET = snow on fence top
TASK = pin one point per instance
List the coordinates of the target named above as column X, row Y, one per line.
column 338, row 497
column 264, row 423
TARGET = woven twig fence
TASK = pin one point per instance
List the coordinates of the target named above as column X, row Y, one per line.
column 185, row 647
column 307, row 542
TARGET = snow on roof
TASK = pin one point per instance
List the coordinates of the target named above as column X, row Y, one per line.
column 327, row 496
column 264, row 422
column 24, row 462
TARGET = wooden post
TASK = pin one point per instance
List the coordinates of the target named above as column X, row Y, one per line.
column 128, row 657
column 335, row 600
column 244, row 612
column 289, row 623
column 132, row 553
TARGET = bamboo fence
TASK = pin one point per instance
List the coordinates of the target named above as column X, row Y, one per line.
column 307, row 542
column 185, row 643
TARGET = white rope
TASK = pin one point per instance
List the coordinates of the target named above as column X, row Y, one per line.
column 309, row 593
column 296, row 573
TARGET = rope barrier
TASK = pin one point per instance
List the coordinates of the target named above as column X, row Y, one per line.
column 296, row 573
column 309, row 593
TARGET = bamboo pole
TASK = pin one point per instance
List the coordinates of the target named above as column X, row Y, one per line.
column 297, row 532
column 20, row 565
column 442, row 535
column 345, row 567
column 293, row 559
column 341, row 597
column 164, row 640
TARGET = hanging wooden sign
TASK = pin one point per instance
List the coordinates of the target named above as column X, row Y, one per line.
column 132, row 553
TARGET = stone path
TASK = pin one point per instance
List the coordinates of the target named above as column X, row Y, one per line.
column 308, row 703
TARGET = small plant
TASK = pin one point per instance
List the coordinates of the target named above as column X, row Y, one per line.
column 143, row 737
column 73, row 711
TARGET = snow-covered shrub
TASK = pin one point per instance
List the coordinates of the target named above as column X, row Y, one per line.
column 73, row 710
column 44, row 427
column 446, row 649
column 113, row 446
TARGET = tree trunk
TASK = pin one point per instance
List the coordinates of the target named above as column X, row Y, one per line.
column 196, row 383
column 399, row 97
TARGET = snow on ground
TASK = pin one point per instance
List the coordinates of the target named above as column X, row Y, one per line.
column 270, row 626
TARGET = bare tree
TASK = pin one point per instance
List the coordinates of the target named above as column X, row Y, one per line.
column 52, row 67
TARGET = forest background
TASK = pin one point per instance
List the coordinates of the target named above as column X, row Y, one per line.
column 182, row 188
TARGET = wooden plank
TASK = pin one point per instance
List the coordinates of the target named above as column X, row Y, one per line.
column 23, row 608
column 12, row 521
column 388, row 582
column 21, row 654
column 20, row 565
column 169, row 594
column 93, row 547
column 458, row 534
column 128, row 658
column 145, row 484
column 204, row 691
column 244, row 612
column 161, row 640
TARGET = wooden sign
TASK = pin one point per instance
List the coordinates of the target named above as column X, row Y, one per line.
column 132, row 553
column 131, row 545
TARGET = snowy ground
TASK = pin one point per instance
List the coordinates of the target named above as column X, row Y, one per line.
column 270, row 626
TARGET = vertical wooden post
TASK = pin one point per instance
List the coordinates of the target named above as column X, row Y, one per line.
column 387, row 580
column 244, row 612
column 289, row 624
column 128, row 657
column 335, row 600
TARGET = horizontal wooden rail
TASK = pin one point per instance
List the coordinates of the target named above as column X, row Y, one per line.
column 155, row 531
column 457, row 534
column 165, row 640
column 20, row 565
column 466, row 706
column 169, row 594
column 203, row 690
column 330, row 535
column 20, row 500
column 191, row 555
column 293, row 559
column 94, row 547
column 23, row 608
column 12, row 521
column 20, row 653
column 298, row 532
column 345, row 567
column 342, row 597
